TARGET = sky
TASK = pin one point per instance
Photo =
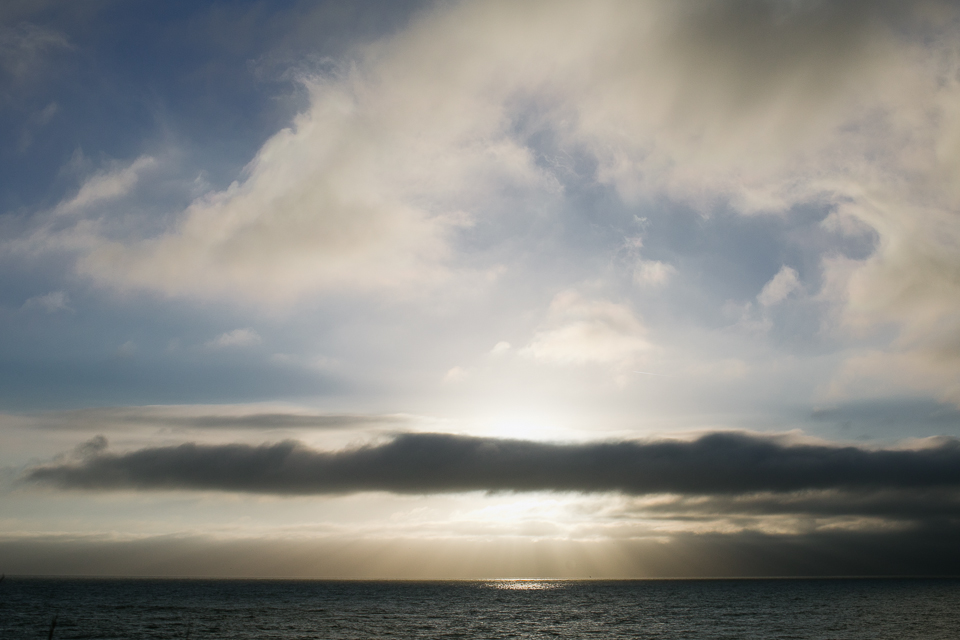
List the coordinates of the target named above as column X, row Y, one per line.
column 479, row 289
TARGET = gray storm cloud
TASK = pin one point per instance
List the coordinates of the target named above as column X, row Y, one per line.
column 911, row 505
column 715, row 464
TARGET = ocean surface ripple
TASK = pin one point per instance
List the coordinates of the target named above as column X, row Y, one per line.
column 287, row 609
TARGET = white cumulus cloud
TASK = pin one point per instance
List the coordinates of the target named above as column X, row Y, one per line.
column 760, row 107
column 652, row 273
column 579, row 331
column 780, row 286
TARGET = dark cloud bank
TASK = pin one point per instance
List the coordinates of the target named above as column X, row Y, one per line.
column 900, row 509
column 715, row 464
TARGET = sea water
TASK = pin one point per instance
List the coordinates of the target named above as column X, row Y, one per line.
column 286, row 609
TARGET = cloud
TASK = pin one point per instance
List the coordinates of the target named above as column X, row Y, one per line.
column 716, row 464
column 43, row 116
column 652, row 273
column 886, row 504
column 580, row 331
column 455, row 374
column 363, row 192
column 235, row 338
column 106, row 186
column 22, row 48
column 912, row 282
column 421, row 132
column 50, row 302
column 91, row 447
column 876, row 373
column 500, row 348
column 928, row 551
column 756, row 107
column 780, row 286
column 203, row 417
column 127, row 350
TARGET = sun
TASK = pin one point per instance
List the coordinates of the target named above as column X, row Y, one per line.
column 521, row 428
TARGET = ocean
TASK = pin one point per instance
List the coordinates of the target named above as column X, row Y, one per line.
column 286, row 609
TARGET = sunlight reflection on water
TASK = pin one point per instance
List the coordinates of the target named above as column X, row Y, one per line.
column 525, row 585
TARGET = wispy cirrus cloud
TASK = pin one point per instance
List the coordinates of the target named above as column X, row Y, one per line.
column 50, row 302
column 23, row 47
column 207, row 417
column 236, row 338
column 106, row 185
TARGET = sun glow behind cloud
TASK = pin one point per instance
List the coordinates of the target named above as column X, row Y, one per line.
column 546, row 232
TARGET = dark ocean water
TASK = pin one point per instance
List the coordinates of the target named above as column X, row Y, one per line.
column 741, row 609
